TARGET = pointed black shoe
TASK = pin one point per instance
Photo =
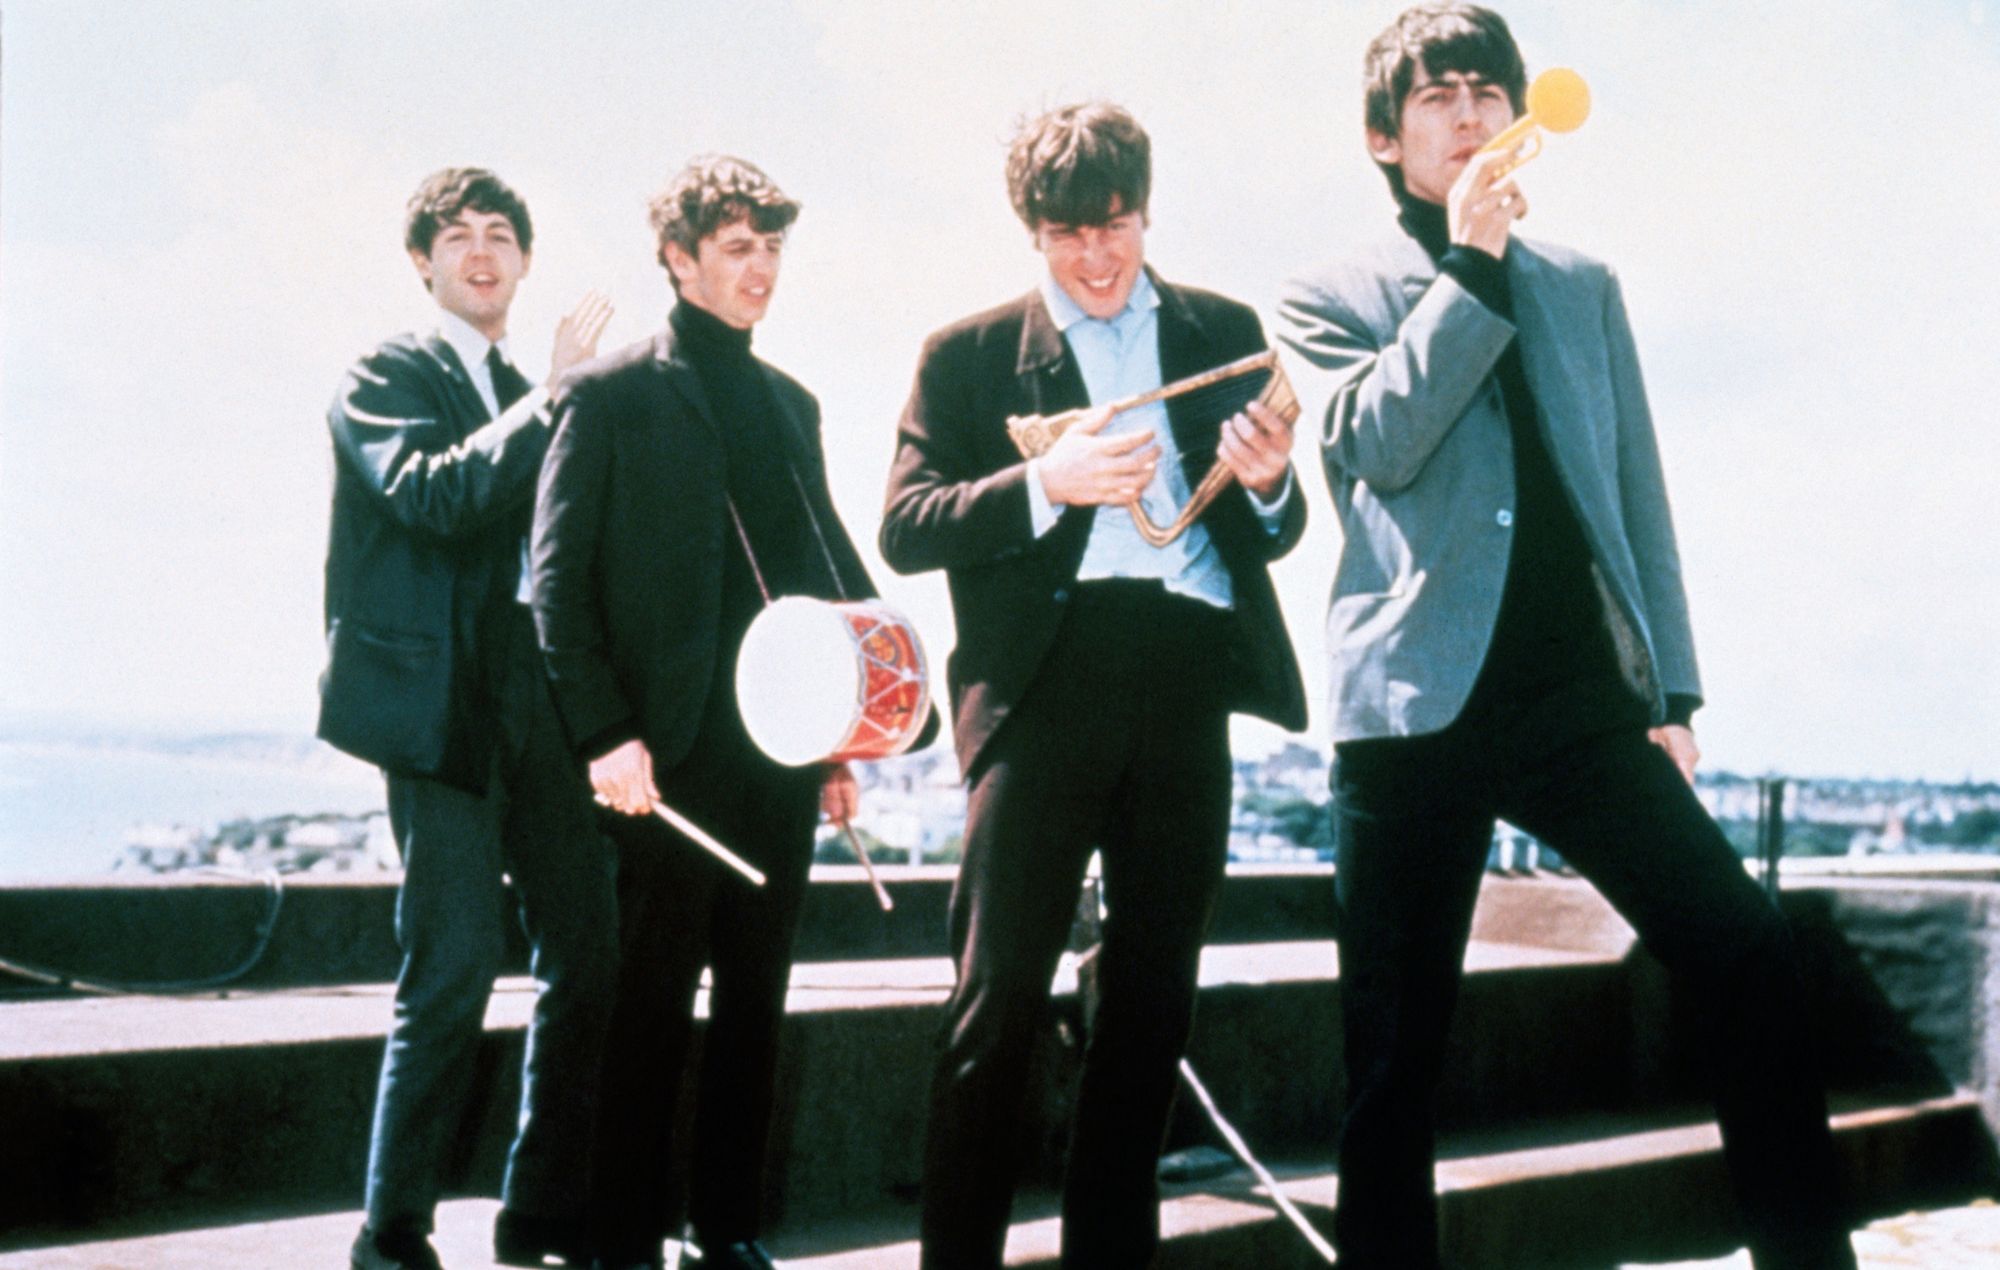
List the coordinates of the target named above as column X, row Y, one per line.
column 746, row 1255
column 392, row 1249
column 522, row 1239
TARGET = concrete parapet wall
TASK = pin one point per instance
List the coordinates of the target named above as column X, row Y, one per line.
column 1911, row 970
column 1562, row 1019
column 173, row 930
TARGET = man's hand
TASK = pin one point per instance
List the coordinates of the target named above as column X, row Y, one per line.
column 1257, row 446
column 1679, row 744
column 623, row 779
column 1083, row 468
column 839, row 794
column 576, row 335
column 1483, row 206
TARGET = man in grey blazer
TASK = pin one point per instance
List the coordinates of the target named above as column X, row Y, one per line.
column 1509, row 638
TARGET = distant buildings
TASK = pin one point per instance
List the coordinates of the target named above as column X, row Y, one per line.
column 913, row 811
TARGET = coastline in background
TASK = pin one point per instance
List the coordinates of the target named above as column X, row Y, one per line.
column 70, row 804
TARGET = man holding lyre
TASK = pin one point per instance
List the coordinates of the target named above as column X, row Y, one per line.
column 1095, row 671
column 1510, row 638
column 685, row 490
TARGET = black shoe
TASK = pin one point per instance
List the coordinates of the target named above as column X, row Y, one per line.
column 627, row 1255
column 746, row 1255
column 394, row 1248
column 522, row 1239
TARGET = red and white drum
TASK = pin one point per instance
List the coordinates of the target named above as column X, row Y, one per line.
column 823, row 681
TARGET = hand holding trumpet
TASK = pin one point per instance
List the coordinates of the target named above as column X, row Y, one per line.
column 1485, row 202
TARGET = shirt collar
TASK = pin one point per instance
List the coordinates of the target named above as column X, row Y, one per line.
column 1065, row 312
column 467, row 342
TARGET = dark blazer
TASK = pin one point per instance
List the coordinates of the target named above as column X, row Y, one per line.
column 958, row 501
column 629, row 539
column 430, row 500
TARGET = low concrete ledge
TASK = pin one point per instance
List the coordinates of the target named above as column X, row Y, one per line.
column 160, row 1111
column 1575, row 1194
column 137, row 1114
column 153, row 931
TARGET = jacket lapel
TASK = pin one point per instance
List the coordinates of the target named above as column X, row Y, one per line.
column 1047, row 380
column 680, row 378
column 1537, row 288
column 1184, row 351
column 471, row 407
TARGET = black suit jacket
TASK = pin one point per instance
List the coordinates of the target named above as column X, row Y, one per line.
column 629, row 540
column 430, row 500
column 958, row 501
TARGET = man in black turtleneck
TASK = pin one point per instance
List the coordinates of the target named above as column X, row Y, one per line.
column 685, row 488
column 1509, row 638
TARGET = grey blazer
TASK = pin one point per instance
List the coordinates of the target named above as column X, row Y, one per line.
column 1394, row 364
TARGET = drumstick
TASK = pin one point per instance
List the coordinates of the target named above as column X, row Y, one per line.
column 1262, row 1174
column 881, row 892
column 699, row 836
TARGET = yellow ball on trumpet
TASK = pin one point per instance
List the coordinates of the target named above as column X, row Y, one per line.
column 1558, row 100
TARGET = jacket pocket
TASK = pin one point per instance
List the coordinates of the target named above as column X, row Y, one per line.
column 385, row 696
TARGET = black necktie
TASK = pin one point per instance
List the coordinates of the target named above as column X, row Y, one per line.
column 509, row 385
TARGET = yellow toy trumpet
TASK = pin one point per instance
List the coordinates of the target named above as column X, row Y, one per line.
column 1558, row 100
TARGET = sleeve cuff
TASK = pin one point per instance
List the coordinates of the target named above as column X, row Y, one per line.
column 1041, row 512
column 1483, row 276
column 596, row 747
column 1273, row 512
column 1680, row 709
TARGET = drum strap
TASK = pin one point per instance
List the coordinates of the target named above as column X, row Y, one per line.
column 819, row 535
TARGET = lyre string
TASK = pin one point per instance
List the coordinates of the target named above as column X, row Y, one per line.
column 1224, row 396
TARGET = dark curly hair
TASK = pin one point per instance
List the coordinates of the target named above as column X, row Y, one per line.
column 449, row 193
column 1075, row 163
column 711, row 192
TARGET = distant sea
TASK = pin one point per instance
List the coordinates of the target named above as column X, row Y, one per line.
column 68, row 805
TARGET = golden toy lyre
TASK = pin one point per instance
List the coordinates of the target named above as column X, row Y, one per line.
column 1558, row 100
column 1224, row 391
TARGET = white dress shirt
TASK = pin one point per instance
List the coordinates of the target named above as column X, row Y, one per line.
column 472, row 348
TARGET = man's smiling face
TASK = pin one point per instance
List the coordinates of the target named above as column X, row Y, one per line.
column 475, row 264
column 1096, row 265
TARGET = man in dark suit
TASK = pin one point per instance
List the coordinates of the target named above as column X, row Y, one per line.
column 1510, row 638
column 1093, row 679
column 432, row 674
column 685, row 490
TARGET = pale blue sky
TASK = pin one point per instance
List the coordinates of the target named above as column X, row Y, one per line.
column 200, row 212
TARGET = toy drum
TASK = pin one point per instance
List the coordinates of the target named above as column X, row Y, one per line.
column 821, row 681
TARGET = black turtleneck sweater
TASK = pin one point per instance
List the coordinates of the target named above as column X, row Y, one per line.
column 766, row 489
column 765, row 486
column 1552, row 667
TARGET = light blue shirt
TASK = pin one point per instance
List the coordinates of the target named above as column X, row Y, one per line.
column 1120, row 357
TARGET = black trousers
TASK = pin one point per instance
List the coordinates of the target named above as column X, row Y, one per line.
column 1414, row 817
column 681, row 909
column 1120, row 745
column 534, row 823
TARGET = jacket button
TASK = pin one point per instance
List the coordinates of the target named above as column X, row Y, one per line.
column 1062, row 595
column 1503, row 518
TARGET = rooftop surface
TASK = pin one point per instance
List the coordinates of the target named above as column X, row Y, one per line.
column 1950, row 1239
